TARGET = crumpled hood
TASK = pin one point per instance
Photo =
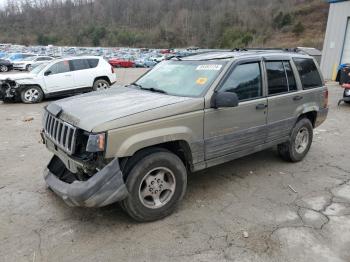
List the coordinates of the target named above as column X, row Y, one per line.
column 19, row 76
column 91, row 110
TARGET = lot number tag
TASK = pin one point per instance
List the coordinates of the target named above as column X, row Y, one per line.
column 208, row 67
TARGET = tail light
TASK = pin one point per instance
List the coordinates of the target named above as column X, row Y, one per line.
column 325, row 94
column 112, row 69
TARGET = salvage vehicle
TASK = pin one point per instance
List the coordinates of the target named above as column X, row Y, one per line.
column 5, row 65
column 117, row 62
column 25, row 63
column 61, row 77
column 136, row 144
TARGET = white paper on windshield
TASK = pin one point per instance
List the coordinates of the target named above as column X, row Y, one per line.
column 211, row 67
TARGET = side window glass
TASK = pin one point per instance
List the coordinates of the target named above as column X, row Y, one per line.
column 276, row 76
column 93, row 62
column 245, row 81
column 79, row 64
column 309, row 76
column 290, row 75
column 60, row 67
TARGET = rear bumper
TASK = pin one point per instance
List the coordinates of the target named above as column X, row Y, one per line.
column 104, row 188
column 321, row 116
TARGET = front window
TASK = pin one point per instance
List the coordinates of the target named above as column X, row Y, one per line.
column 182, row 78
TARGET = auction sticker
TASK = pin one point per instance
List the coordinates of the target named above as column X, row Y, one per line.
column 211, row 67
column 201, row 80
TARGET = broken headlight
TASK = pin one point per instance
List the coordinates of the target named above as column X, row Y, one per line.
column 96, row 142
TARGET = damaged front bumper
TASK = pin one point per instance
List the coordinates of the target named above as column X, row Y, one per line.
column 8, row 89
column 104, row 188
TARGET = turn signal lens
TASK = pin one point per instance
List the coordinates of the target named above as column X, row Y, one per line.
column 96, row 143
column 326, row 95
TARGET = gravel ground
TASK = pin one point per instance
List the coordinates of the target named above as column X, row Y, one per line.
column 257, row 208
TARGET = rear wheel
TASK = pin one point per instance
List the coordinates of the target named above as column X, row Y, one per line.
column 31, row 95
column 300, row 142
column 28, row 68
column 4, row 68
column 156, row 183
column 100, row 85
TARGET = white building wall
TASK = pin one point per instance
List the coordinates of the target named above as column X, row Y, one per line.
column 339, row 13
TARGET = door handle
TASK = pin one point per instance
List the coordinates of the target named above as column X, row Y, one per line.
column 261, row 106
column 297, row 98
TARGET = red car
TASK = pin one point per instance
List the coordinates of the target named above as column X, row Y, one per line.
column 116, row 62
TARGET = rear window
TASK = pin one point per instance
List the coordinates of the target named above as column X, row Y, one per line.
column 79, row 64
column 92, row 62
column 280, row 77
column 309, row 75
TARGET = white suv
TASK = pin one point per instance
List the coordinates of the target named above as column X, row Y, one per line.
column 58, row 78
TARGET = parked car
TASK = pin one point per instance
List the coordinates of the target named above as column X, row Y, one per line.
column 5, row 65
column 137, row 144
column 144, row 63
column 60, row 77
column 116, row 62
column 13, row 57
column 24, row 64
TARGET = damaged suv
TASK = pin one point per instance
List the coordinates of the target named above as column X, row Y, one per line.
column 136, row 144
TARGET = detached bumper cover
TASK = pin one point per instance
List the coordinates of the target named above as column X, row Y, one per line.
column 104, row 188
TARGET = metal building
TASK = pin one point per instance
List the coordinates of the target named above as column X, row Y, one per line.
column 336, row 47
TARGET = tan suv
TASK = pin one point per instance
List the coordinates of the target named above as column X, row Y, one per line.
column 137, row 144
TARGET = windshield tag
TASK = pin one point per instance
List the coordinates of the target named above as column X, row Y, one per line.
column 208, row 67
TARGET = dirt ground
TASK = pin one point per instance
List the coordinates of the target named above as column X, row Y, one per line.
column 258, row 208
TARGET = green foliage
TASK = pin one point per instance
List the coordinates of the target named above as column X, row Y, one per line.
column 298, row 28
column 282, row 20
column 43, row 39
column 235, row 38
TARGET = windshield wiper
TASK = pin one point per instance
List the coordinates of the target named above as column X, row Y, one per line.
column 152, row 89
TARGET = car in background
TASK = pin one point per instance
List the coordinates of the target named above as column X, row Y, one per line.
column 2, row 54
column 117, row 62
column 60, row 77
column 24, row 64
column 5, row 65
column 12, row 57
column 144, row 63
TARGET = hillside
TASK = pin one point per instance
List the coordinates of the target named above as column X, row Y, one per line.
column 164, row 23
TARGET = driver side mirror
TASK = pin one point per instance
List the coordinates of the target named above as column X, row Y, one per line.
column 224, row 99
column 47, row 73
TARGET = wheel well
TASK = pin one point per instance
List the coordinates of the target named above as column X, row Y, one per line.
column 179, row 148
column 103, row 78
column 27, row 86
column 309, row 115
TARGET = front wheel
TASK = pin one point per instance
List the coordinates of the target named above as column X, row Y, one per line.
column 300, row 142
column 4, row 68
column 156, row 183
column 100, row 85
column 31, row 95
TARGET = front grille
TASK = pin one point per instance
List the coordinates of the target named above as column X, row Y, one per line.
column 60, row 132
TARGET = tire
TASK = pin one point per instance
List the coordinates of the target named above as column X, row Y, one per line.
column 154, row 195
column 4, row 68
column 300, row 142
column 32, row 95
column 100, row 84
column 27, row 68
column 347, row 102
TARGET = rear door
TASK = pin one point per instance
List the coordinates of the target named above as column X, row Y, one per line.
column 237, row 131
column 283, row 99
column 59, row 77
column 82, row 73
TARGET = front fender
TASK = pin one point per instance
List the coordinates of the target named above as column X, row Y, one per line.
column 138, row 141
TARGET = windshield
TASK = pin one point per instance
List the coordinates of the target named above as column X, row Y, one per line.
column 182, row 78
column 38, row 68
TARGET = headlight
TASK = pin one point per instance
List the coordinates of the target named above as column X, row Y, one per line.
column 96, row 143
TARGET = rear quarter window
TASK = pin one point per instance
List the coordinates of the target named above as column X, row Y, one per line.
column 309, row 75
column 79, row 64
column 92, row 62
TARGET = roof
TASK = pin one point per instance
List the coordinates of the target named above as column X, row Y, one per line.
column 227, row 55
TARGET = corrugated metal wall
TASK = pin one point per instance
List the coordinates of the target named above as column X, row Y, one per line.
column 339, row 14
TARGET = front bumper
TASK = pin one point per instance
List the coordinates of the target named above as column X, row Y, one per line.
column 104, row 188
column 321, row 116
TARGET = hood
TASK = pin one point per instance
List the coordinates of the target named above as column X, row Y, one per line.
column 96, row 110
column 19, row 76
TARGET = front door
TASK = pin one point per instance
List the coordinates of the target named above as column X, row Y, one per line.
column 237, row 131
column 59, row 77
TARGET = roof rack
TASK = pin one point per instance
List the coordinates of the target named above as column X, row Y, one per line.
column 294, row 50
